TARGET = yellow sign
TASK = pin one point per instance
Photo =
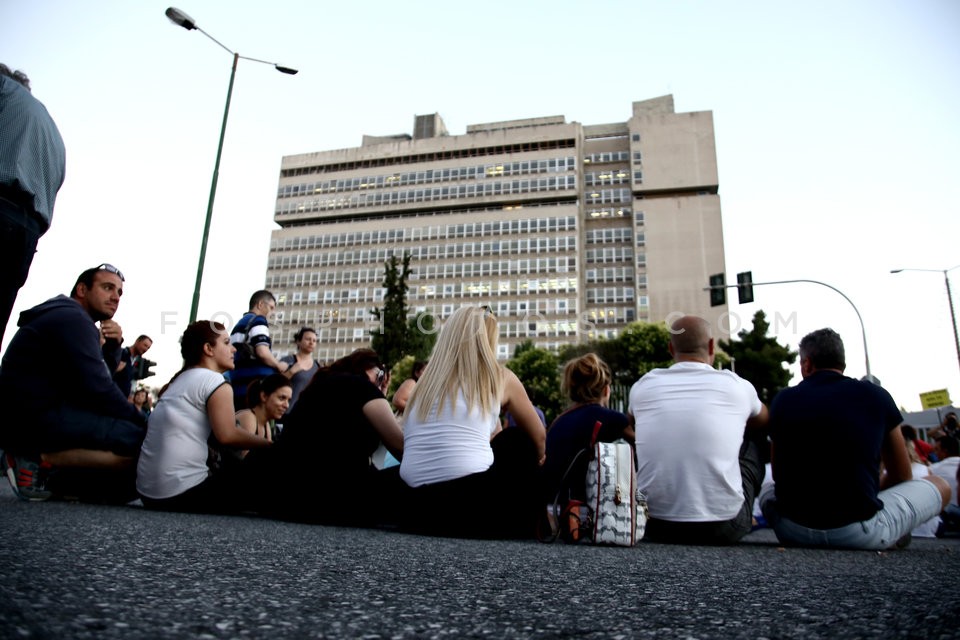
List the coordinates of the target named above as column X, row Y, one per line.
column 934, row 399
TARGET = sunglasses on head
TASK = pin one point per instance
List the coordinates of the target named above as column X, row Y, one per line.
column 109, row 268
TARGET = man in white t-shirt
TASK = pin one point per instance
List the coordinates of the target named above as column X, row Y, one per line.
column 698, row 471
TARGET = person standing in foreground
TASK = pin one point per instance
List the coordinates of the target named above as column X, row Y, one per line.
column 32, row 167
column 68, row 417
column 696, row 463
column 830, row 421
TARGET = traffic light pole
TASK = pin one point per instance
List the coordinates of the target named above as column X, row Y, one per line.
column 863, row 330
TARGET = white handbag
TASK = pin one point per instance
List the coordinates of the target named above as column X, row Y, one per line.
column 617, row 510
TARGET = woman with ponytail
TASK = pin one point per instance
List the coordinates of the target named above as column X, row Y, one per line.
column 586, row 382
column 172, row 473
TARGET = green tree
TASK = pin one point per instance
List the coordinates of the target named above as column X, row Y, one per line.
column 402, row 370
column 421, row 336
column 539, row 371
column 391, row 338
column 759, row 358
column 641, row 347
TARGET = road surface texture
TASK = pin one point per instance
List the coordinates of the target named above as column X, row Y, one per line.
column 84, row 571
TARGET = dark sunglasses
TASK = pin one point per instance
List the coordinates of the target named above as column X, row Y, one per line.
column 109, row 268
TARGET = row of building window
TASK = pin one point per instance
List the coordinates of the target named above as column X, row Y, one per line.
column 433, row 232
column 393, row 198
column 434, row 156
column 495, row 268
column 608, row 295
column 429, row 272
column 519, row 286
column 459, row 250
column 611, row 212
column 617, row 254
column 546, row 266
column 524, row 167
column 609, row 236
column 608, row 196
column 611, row 315
column 606, row 157
column 600, row 178
column 610, row 274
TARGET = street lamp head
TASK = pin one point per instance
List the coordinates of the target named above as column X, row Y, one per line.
column 286, row 70
column 180, row 18
column 895, row 270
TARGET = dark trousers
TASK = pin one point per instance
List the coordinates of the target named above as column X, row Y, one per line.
column 19, row 231
column 723, row 531
column 501, row 502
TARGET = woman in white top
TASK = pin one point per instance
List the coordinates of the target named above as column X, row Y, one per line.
column 172, row 473
column 467, row 477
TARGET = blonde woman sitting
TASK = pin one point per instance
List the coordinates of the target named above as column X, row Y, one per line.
column 462, row 482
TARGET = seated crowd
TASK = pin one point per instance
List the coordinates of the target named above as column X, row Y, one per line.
column 215, row 443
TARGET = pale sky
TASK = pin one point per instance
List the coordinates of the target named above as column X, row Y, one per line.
column 836, row 125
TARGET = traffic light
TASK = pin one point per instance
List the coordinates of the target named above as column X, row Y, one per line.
column 142, row 369
column 718, row 290
column 745, row 287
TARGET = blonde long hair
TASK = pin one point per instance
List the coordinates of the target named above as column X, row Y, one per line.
column 463, row 360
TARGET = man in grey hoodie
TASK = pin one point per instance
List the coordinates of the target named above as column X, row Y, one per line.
column 70, row 430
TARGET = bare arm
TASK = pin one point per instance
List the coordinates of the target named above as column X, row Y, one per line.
column 223, row 422
column 402, row 395
column 760, row 420
column 380, row 416
column 893, row 453
column 266, row 357
column 515, row 401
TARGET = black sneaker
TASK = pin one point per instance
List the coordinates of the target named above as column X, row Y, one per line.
column 27, row 477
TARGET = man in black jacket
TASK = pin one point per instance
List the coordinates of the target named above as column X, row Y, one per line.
column 69, row 429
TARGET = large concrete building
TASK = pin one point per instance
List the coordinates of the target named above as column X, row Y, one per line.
column 567, row 231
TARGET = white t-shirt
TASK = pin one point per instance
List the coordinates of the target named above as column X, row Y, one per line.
column 926, row 529
column 173, row 457
column 947, row 469
column 453, row 444
column 689, row 423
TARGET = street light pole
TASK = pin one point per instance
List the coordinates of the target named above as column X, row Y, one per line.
column 953, row 314
column 181, row 19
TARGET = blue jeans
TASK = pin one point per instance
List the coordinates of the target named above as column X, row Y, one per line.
column 904, row 507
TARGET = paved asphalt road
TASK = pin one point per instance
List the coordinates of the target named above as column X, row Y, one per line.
column 84, row 571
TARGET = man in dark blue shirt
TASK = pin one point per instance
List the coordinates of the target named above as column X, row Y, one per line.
column 830, row 434
column 68, row 421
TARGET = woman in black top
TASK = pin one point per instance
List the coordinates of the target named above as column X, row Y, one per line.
column 586, row 382
column 319, row 470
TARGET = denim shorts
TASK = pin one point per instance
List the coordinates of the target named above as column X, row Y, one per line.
column 904, row 507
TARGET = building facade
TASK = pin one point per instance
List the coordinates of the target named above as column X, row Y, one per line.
column 567, row 231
